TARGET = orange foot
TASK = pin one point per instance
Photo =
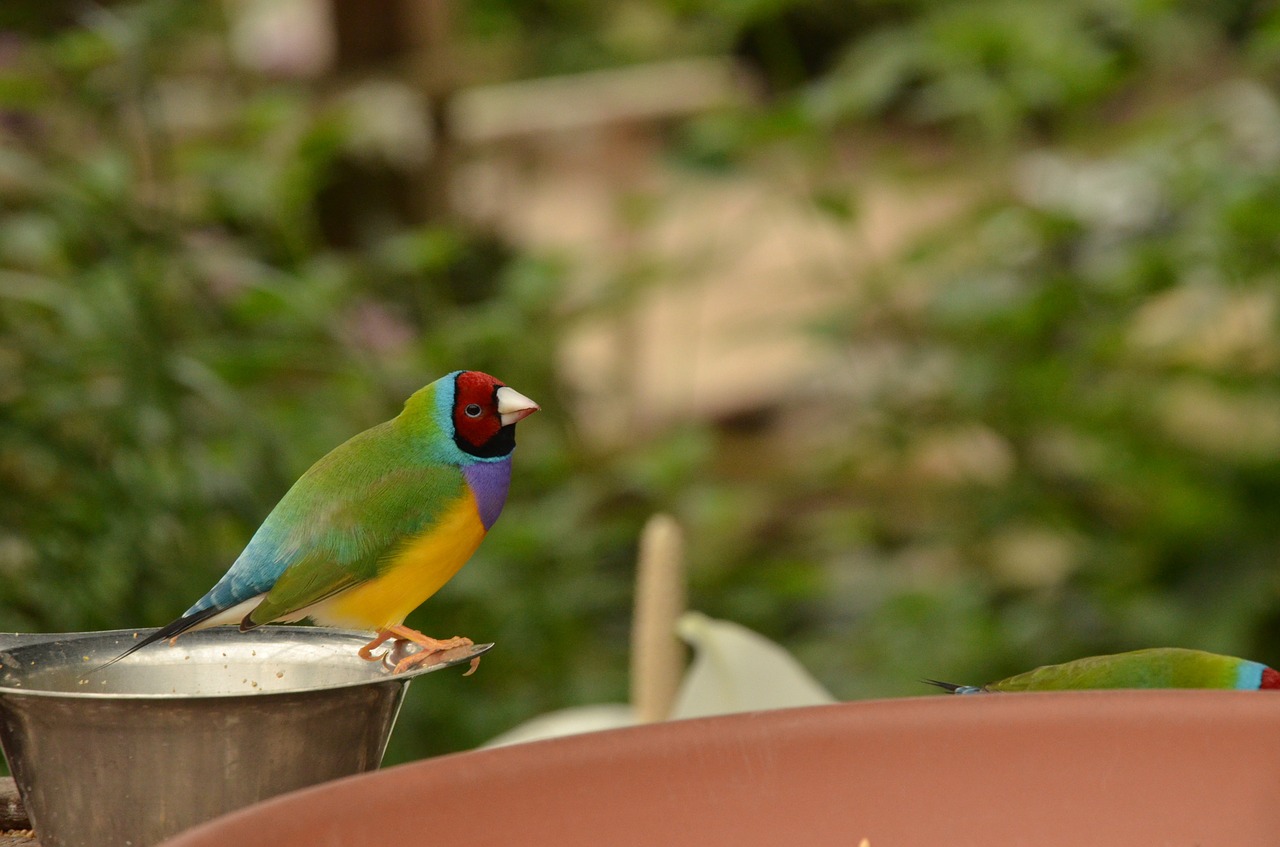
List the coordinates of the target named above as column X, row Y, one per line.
column 430, row 647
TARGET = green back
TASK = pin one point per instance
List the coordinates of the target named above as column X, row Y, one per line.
column 1158, row 667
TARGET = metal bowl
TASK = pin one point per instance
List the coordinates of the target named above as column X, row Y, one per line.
column 171, row 736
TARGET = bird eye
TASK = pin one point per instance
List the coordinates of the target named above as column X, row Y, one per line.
column 472, row 411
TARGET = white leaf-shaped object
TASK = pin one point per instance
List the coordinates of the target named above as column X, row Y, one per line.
column 737, row 670
column 571, row 721
column 733, row 670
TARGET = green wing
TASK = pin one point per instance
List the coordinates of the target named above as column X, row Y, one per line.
column 338, row 524
column 1157, row 667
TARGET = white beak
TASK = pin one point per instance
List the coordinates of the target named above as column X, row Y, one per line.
column 514, row 406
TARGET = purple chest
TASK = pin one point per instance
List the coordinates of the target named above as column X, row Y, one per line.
column 489, row 482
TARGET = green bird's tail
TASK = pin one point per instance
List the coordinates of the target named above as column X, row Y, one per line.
column 953, row 687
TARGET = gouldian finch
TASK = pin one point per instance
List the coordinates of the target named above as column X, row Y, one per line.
column 1156, row 667
column 379, row 524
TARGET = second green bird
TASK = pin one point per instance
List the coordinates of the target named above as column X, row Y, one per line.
column 1156, row 667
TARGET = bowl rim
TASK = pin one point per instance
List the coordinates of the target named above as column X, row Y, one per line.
column 29, row 643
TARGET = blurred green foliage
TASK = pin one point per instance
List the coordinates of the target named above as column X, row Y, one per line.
column 177, row 345
column 1072, row 443
column 1050, row 430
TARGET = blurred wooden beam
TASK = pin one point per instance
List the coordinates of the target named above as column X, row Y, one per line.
column 642, row 93
column 12, row 813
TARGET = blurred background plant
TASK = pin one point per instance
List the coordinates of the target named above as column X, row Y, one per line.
column 947, row 330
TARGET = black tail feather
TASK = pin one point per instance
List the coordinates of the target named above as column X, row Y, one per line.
column 954, row 688
column 172, row 630
column 946, row 686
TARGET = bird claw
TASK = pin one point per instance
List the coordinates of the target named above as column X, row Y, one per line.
column 405, row 654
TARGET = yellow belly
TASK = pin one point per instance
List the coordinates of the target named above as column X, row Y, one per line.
column 421, row 567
